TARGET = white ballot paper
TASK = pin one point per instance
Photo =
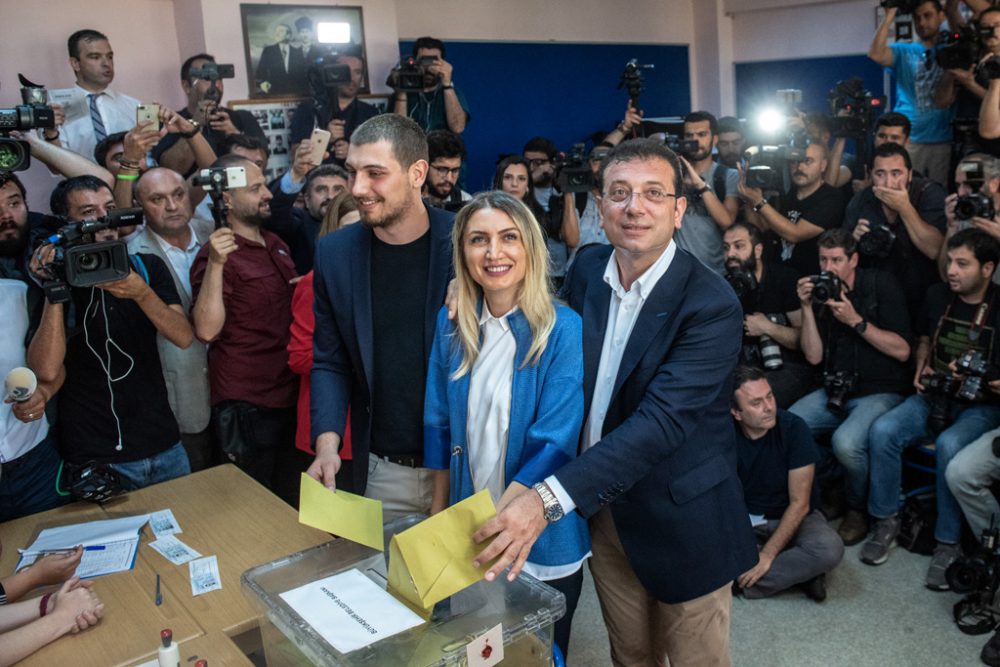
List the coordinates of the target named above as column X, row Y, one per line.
column 174, row 550
column 108, row 546
column 757, row 520
column 204, row 575
column 164, row 523
column 350, row 611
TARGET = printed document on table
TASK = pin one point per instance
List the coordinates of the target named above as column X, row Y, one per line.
column 174, row 550
column 164, row 523
column 350, row 611
column 113, row 544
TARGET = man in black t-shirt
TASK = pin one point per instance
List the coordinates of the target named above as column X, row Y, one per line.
column 899, row 223
column 960, row 317
column 772, row 315
column 806, row 211
column 861, row 337
column 776, row 464
column 113, row 408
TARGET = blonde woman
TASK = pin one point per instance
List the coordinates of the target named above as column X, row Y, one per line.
column 504, row 401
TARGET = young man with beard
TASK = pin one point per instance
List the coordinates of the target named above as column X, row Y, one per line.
column 27, row 448
column 242, row 296
column 771, row 312
column 446, row 153
column 730, row 143
column 711, row 191
column 379, row 286
column 958, row 318
column 806, row 211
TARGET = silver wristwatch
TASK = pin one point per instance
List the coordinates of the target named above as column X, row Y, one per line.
column 551, row 508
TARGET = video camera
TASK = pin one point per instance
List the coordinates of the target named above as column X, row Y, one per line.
column 680, row 145
column 850, row 95
column 826, row 286
column 82, row 262
column 408, row 75
column 572, row 171
column 631, row 81
column 15, row 155
column 767, row 164
column 325, row 73
column 960, row 49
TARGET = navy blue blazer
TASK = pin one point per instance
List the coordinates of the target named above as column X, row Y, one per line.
column 666, row 463
column 343, row 353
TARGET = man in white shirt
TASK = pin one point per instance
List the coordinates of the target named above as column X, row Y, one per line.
column 176, row 237
column 93, row 111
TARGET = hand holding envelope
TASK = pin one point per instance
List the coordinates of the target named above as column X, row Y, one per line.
column 346, row 515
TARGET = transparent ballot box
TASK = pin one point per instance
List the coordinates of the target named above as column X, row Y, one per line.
column 526, row 608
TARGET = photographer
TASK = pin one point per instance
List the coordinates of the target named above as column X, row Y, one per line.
column 446, row 153
column 806, row 211
column 439, row 105
column 860, row 334
column 339, row 110
column 917, row 74
column 899, row 223
column 711, row 191
column 204, row 106
column 973, row 79
column 562, row 210
column 730, row 143
column 974, row 203
column 959, row 318
column 113, row 407
column 772, row 315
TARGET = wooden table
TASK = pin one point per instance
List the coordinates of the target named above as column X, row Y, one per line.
column 222, row 512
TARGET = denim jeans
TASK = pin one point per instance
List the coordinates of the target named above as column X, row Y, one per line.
column 168, row 464
column 905, row 426
column 850, row 434
column 29, row 484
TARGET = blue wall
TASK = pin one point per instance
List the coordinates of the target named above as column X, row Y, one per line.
column 563, row 91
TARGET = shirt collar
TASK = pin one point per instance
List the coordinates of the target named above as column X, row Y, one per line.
column 106, row 92
column 166, row 245
column 485, row 317
column 647, row 281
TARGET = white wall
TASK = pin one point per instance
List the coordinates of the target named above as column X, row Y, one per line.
column 837, row 28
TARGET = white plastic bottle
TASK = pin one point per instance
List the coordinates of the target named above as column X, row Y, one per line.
column 169, row 654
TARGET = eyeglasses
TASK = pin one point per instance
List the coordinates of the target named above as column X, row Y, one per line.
column 538, row 162
column 446, row 171
column 623, row 196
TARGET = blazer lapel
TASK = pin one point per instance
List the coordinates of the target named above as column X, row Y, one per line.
column 363, row 308
column 659, row 309
column 437, row 280
column 595, row 319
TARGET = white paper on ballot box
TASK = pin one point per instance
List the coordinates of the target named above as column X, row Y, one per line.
column 350, row 611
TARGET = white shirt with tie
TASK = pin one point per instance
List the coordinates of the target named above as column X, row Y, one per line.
column 77, row 133
column 623, row 311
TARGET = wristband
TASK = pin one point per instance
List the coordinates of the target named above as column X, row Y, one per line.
column 127, row 177
column 759, row 205
column 50, row 139
column 42, row 604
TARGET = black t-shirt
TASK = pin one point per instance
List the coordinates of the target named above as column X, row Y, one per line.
column 305, row 120
column 776, row 296
column 129, row 393
column 878, row 298
column 764, row 464
column 399, row 301
column 823, row 208
column 914, row 270
column 953, row 329
column 242, row 120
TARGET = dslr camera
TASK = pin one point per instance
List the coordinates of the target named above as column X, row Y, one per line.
column 877, row 242
column 979, row 373
column 80, row 261
column 826, row 286
column 15, row 155
column 861, row 106
column 679, row 145
column 939, row 388
column 989, row 69
column 976, row 205
column 573, row 173
column 839, row 386
column 744, row 284
column 408, row 75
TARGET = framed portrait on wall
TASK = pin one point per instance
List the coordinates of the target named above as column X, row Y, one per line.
column 275, row 118
column 282, row 42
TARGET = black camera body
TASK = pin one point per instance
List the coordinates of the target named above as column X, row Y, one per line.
column 15, row 155
column 745, row 285
column 767, row 165
column 979, row 373
column 960, row 49
column 573, row 173
column 878, row 241
column 839, row 386
column 82, row 262
column 939, row 388
column 904, row 6
column 989, row 69
column 212, row 72
column 408, row 76
column 859, row 104
column 826, row 286
column 976, row 205
column 680, row 145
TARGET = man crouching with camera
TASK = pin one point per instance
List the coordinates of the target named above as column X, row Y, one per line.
column 956, row 357
column 855, row 323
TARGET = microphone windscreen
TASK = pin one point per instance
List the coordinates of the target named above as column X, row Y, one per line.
column 20, row 383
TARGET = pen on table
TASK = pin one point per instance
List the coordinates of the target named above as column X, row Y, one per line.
column 159, row 596
column 95, row 547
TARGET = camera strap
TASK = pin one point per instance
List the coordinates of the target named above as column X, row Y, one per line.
column 140, row 267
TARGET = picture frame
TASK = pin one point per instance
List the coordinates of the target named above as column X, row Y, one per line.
column 274, row 116
column 281, row 41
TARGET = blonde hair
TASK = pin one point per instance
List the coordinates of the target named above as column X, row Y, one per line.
column 339, row 206
column 534, row 296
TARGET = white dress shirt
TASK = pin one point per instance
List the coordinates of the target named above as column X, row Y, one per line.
column 623, row 311
column 16, row 437
column 180, row 259
column 77, row 133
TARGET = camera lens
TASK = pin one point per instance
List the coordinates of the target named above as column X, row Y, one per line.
column 90, row 262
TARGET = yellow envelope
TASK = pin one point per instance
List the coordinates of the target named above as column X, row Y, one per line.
column 346, row 515
column 433, row 560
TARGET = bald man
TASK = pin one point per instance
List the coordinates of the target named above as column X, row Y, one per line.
column 175, row 237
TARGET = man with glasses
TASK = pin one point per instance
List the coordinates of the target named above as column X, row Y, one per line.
column 657, row 475
column 803, row 213
column 446, row 152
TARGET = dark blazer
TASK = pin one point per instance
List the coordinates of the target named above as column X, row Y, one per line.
column 666, row 463
column 343, row 351
column 271, row 68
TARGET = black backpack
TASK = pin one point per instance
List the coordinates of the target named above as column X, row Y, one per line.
column 916, row 524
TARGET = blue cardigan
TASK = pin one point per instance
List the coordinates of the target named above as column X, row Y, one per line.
column 546, row 414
